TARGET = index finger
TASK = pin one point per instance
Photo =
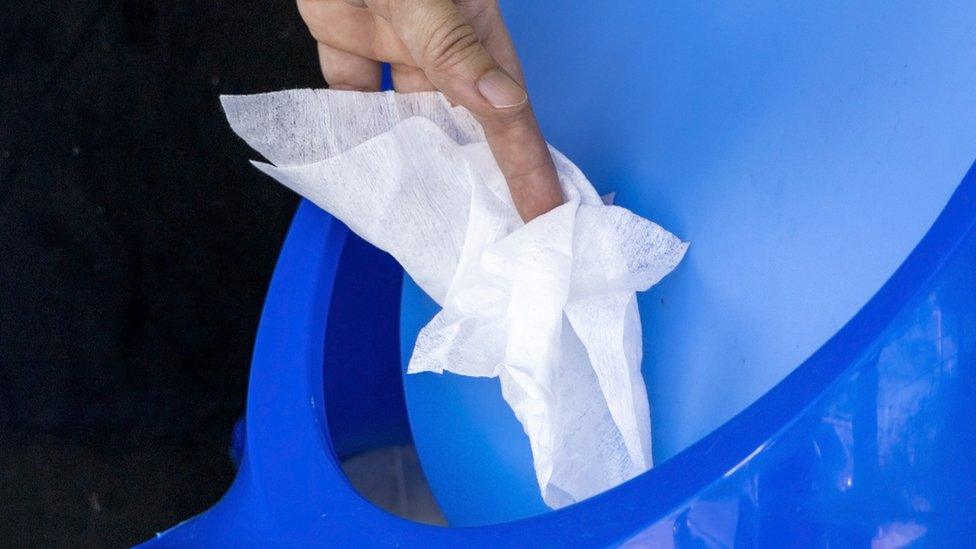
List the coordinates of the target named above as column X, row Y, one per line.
column 523, row 156
column 445, row 45
column 486, row 18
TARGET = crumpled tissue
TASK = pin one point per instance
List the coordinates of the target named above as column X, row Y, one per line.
column 548, row 306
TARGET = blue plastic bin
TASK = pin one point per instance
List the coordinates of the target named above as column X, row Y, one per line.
column 811, row 365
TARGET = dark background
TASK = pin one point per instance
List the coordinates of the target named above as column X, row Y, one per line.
column 135, row 246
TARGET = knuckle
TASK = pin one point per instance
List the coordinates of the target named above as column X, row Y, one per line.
column 450, row 44
column 318, row 32
column 316, row 27
column 303, row 7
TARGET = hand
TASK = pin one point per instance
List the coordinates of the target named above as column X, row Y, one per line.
column 461, row 48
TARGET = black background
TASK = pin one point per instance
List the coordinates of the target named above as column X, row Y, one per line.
column 136, row 244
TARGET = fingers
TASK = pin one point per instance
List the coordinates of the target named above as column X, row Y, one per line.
column 486, row 19
column 407, row 79
column 443, row 43
column 431, row 44
column 524, row 159
column 346, row 27
column 347, row 71
column 446, row 47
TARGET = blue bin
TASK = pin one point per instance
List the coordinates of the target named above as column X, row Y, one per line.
column 810, row 365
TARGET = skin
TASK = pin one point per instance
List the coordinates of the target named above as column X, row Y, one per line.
column 461, row 48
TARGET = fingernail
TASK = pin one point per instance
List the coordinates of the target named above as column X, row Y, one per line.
column 500, row 90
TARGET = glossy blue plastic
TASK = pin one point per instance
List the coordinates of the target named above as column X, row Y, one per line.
column 802, row 148
column 804, row 151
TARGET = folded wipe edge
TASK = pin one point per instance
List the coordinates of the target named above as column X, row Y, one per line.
column 368, row 124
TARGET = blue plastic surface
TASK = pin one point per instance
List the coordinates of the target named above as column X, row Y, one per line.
column 804, row 151
column 867, row 441
column 802, row 148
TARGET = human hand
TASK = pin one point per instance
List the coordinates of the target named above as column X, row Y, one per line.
column 461, row 48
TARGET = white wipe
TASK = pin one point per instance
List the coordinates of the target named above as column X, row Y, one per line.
column 549, row 306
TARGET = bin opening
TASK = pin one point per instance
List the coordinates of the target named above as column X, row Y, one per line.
column 367, row 418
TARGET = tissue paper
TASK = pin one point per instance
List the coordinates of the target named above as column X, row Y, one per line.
column 548, row 306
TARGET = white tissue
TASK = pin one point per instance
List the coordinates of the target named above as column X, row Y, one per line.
column 548, row 306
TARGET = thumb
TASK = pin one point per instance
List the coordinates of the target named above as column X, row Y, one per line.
column 446, row 47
